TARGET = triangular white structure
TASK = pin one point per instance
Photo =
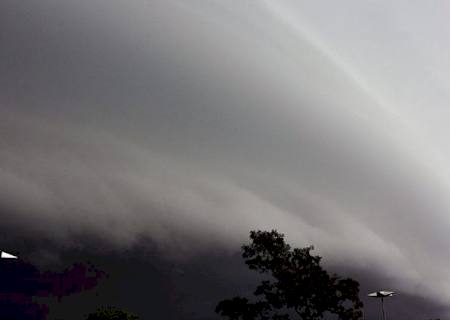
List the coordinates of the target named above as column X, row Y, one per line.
column 5, row 255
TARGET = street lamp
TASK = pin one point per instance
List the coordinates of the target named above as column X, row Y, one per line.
column 381, row 295
column 6, row 255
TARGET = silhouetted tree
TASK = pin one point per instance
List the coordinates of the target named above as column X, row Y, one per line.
column 21, row 283
column 297, row 286
column 111, row 313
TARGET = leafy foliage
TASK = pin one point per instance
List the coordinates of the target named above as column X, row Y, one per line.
column 298, row 286
column 111, row 313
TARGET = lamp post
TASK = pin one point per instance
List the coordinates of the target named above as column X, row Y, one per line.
column 381, row 295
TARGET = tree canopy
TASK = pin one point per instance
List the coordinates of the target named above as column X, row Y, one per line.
column 111, row 313
column 297, row 287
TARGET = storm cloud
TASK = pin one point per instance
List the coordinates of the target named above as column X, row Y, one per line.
column 192, row 123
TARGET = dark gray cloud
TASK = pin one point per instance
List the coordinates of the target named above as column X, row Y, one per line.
column 193, row 123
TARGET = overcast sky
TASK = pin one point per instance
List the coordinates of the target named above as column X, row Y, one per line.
column 192, row 122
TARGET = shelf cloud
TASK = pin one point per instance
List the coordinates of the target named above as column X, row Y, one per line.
column 193, row 123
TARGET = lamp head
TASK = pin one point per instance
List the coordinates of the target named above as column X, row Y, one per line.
column 381, row 294
column 6, row 255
